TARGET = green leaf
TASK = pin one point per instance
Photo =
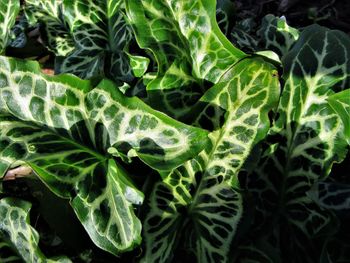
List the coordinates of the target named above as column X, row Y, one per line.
column 277, row 35
column 340, row 102
column 63, row 128
column 18, row 239
column 124, row 123
column 93, row 184
column 182, row 40
column 100, row 33
column 138, row 64
column 8, row 13
column 89, row 35
column 202, row 196
column 307, row 137
column 49, row 15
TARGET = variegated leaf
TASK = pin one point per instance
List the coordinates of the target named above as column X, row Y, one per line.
column 48, row 13
column 340, row 102
column 331, row 195
column 307, row 137
column 202, row 196
column 66, row 130
column 8, row 12
column 100, row 33
column 138, row 64
column 177, row 35
column 277, row 35
column 242, row 35
column 18, row 239
column 65, row 102
column 100, row 192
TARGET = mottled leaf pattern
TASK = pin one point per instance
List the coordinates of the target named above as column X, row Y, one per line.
column 340, row 102
column 126, row 123
column 204, row 192
column 8, row 12
column 48, row 13
column 277, row 35
column 176, row 34
column 94, row 184
column 18, row 239
column 331, row 195
column 242, row 35
column 306, row 138
column 100, row 34
column 62, row 127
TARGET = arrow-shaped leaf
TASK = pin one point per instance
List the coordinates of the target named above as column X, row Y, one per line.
column 307, row 137
column 202, row 196
column 64, row 128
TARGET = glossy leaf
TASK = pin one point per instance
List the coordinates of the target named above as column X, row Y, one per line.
column 8, row 12
column 306, row 138
column 100, row 34
column 18, row 239
column 202, row 196
column 65, row 129
column 340, row 102
column 182, row 40
column 94, row 184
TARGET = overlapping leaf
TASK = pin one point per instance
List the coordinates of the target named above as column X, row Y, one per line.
column 202, row 196
column 55, row 30
column 100, row 34
column 8, row 13
column 90, row 36
column 63, row 129
column 307, row 136
column 18, row 239
column 184, row 36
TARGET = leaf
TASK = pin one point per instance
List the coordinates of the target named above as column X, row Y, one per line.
column 202, row 197
column 334, row 196
column 182, row 40
column 49, row 15
column 100, row 33
column 277, row 35
column 8, row 12
column 94, row 184
column 125, row 123
column 306, row 138
column 18, row 239
column 138, row 64
column 19, row 39
column 64, row 128
column 89, row 35
column 225, row 13
column 242, row 35
column 340, row 103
